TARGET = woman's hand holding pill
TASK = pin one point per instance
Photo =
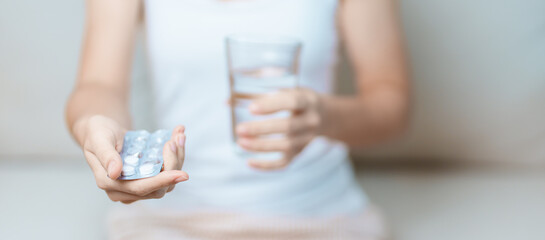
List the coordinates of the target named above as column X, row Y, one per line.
column 101, row 146
column 297, row 131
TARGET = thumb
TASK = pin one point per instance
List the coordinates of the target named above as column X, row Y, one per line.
column 109, row 157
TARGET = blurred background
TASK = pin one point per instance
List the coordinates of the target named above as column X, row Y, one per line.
column 472, row 165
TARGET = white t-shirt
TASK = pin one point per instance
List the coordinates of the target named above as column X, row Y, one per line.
column 185, row 40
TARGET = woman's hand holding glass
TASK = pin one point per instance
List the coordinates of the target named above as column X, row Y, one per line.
column 297, row 130
column 103, row 140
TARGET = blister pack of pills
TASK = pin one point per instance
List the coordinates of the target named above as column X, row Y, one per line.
column 142, row 153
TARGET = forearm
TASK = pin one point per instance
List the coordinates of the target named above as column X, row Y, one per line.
column 373, row 38
column 91, row 99
column 364, row 120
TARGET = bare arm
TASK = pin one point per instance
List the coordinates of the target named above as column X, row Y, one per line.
column 97, row 113
column 103, row 79
column 373, row 39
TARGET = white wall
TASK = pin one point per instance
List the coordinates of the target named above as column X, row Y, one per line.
column 39, row 51
column 479, row 80
column 38, row 58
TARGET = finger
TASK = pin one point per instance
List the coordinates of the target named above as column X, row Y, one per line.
column 265, row 145
column 179, row 138
column 142, row 187
column 117, row 196
column 101, row 177
column 292, row 125
column 93, row 162
column 104, row 148
column 177, row 130
column 256, row 128
column 269, row 165
column 292, row 100
column 289, row 144
column 180, row 153
column 138, row 187
column 170, row 159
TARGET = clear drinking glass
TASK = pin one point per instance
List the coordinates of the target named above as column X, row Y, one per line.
column 259, row 65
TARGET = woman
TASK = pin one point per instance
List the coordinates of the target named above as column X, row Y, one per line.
column 310, row 193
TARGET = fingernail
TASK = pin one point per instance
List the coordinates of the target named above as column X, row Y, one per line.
column 244, row 142
column 110, row 168
column 253, row 163
column 181, row 140
column 181, row 179
column 241, row 129
column 253, row 107
column 172, row 147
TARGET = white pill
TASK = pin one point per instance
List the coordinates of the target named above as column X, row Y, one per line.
column 146, row 169
column 131, row 159
column 128, row 171
column 154, row 153
column 134, row 149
